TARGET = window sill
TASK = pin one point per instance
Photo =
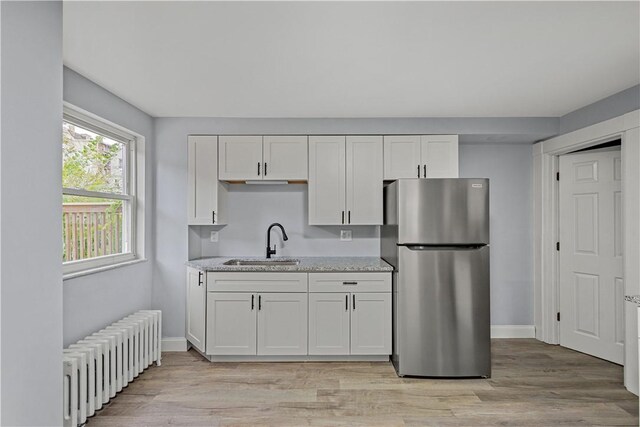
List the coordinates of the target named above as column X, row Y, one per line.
column 100, row 269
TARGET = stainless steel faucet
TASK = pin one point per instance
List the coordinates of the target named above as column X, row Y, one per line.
column 284, row 237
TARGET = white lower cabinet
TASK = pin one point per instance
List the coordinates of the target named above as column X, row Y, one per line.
column 290, row 314
column 329, row 318
column 282, row 324
column 242, row 323
column 196, row 307
column 371, row 323
column 356, row 321
column 231, row 323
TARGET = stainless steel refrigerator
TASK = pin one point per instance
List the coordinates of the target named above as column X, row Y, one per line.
column 436, row 236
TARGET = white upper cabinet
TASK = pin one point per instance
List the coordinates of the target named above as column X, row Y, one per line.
column 285, row 157
column 345, row 180
column 245, row 158
column 401, row 156
column 240, row 158
column 426, row 156
column 327, row 180
column 439, row 156
column 205, row 195
column 364, row 180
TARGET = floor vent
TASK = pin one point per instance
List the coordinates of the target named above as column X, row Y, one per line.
column 100, row 365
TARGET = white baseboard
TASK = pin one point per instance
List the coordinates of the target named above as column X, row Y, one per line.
column 513, row 331
column 174, row 344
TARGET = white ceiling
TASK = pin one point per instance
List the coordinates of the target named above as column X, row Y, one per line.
column 356, row 59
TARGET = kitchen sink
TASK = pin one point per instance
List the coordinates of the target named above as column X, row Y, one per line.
column 262, row 262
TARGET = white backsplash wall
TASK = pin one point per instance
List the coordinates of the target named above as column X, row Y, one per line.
column 252, row 208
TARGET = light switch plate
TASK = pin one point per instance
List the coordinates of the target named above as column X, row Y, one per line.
column 345, row 235
column 214, row 236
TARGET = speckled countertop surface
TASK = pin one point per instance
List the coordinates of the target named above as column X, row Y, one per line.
column 632, row 298
column 308, row 264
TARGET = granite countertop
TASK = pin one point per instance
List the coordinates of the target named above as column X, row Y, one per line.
column 633, row 298
column 307, row 264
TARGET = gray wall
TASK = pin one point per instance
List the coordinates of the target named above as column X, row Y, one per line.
column 91, row 302
column 605, row 109
column 287, row 204
column 30, row 215
column 509, row 169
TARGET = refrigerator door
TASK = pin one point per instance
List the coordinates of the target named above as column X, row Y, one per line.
column 442, row 322
column 443, row 211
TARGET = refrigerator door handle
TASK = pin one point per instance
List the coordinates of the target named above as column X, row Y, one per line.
column 467, row 247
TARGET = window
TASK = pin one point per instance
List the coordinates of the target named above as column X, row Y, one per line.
column 99, row 205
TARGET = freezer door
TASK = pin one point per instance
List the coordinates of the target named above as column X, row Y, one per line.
column 443, row 211
column 442, row 321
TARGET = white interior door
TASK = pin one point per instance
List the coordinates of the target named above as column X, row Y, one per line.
column 240, row 158
column 282, row 323
column 364, row 180
column 329, row 323
column 590, row 263
column 285, row 157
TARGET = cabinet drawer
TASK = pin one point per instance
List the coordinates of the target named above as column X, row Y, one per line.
column 349, row 282
column 256, row 282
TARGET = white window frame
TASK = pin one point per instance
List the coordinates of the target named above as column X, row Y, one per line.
column 133, row 190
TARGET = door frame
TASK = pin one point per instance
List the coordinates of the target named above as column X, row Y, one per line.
column 546, row 230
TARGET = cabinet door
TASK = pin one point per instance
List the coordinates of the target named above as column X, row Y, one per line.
column 231, row 323
column 439, row 156
column 196, row 308
column 327, row 180
column 371, row 323
column 240, row 158
column 282, row 323
column 401, row 157
column 285, row 157
column 364, row 180
column 329, row 323
column 202, row 193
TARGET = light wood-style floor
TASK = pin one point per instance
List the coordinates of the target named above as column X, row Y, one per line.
column 532, row 384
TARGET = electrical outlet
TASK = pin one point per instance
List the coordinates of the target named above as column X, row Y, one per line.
column 345, row 235
column 214, row 236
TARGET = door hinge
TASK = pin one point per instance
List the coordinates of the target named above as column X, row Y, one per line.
column 557, row 176
column 558, row 316
column 557, row 246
